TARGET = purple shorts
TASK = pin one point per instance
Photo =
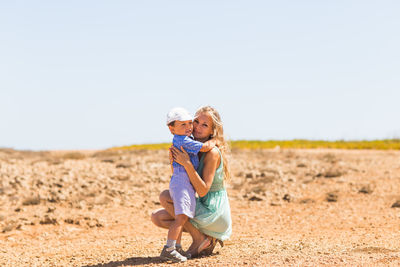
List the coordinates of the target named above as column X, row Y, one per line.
column 183, row 196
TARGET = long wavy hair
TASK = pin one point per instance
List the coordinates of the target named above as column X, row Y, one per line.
column 219, row 136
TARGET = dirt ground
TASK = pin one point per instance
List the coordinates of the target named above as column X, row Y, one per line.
column 289, row 207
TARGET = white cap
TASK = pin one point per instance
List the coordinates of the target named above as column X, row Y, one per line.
column 178, row 114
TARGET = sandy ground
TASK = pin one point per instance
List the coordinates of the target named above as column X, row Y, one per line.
column 289, row 207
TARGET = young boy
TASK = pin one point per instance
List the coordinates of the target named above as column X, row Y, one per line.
column 180, row 123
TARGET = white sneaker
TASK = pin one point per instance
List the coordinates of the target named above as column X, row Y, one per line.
column 170, row 254
column 183, row 253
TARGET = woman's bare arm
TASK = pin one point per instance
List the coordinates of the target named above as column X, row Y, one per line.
column 211, row 160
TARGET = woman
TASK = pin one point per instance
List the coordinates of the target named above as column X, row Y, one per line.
column 212, row 221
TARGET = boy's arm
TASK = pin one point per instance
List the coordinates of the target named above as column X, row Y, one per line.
column 207, row 146
column 191, row 146
column 171, row 159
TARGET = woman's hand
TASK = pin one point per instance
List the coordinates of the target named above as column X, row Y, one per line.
column 181, row 157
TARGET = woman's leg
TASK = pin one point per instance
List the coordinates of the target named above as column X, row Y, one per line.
column 161, row 218
column 197, row 237
column 167, row 203
column 165, row 217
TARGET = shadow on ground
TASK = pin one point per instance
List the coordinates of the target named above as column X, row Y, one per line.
column 129, row 261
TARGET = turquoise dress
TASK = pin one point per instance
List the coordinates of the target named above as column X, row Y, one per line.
column 213, row 213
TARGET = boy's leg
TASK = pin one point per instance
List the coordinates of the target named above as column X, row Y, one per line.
column 177, row 226
column 169, row 252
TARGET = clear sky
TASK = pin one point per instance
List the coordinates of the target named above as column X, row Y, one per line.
column 96, row 74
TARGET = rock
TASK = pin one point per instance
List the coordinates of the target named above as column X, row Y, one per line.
column 123, row 165
column 31, row 201
column 50, row 209
column 306, row 201
column 72, row 221
column 396, row 204
column 9, row 226
column 275, row 204
column 239, row 174
column 286, row 197
column 366, row 190
column 121, row 177
column 53, row 199
column 48, row 220
column 255, row 198
column 331, row 197
column 332, row 174
column 102, row 200
column 249, row 175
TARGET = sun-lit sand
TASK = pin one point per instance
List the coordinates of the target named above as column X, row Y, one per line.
column 289, row 207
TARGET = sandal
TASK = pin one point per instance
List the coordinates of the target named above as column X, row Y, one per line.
column 209, row 250
column 207, row 242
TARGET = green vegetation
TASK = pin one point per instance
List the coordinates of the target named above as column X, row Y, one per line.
column 373, row 144
column 297, row 143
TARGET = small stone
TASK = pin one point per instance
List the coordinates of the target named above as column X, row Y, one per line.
column 332, row 174
column 121, row 177
column 103, row 200
column 306, row 201
column 50, row 209
column 275, row 204
column 123, row 165
column 249, row 175
column 286, row 197
column 255, row 198
column 366, row 190
column 31, row 201
column 396, row 204
column 8, row 228
column 48, row 220
column 331, row 197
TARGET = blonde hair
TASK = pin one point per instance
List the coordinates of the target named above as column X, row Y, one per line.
column 218, row 135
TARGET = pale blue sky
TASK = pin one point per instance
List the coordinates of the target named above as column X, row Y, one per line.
column 96, row 74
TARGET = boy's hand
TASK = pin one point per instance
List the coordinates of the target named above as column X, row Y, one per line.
column 207, row 146
column 212, row 142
